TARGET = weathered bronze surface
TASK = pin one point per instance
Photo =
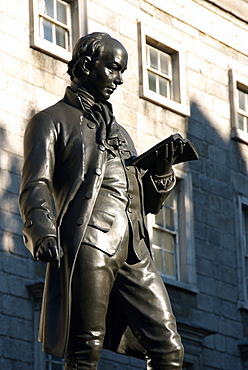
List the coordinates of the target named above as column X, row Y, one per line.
column 102, row 289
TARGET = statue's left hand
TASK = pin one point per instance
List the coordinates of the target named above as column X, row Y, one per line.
column 48, row 251
column 165, row 159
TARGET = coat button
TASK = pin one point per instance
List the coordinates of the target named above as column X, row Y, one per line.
column 88, row 195
column 98, row 171
column 29, row 223
column 50, row 217
column 91, row 125
column 25, row 239
column 129, row 210
column 80, row 221
column 101, row 147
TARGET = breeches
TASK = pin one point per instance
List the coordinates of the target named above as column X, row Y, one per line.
column 139, row 296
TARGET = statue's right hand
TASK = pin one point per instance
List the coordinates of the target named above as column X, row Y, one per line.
column 47, row 251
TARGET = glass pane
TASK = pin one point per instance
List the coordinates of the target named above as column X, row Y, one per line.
column 169, row 217
column 48, row 7
column 246, row 219
column 168, row 241
column 169, row 263
column 246, row 268
column 158, row 259
column 157, row 237
column 241, row 122
column 165, row 63
column 153, row 58
column 60, row 36
column 152, row 81
column 164, row 87
column 242, row 100
column 57, row 367
column 169, row 201
column 61, row 12
column 246, row 244
column 47, row 30
column 159, row 219
column 247, row 287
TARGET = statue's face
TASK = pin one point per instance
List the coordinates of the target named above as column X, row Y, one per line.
column 107, row 72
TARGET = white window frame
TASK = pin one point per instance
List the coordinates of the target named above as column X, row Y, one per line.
column 76, row 11
column 179, row 101
column 243, row 295
column 237, row 82
column 186, row 279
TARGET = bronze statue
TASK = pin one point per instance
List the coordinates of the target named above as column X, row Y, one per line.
column 83, row 204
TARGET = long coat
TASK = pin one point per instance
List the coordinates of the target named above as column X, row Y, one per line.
column 63, row 169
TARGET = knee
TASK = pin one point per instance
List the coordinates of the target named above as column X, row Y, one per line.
column 166, row 357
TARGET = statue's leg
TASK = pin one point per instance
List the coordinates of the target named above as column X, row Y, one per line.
column 91, row 285
column 143, row 298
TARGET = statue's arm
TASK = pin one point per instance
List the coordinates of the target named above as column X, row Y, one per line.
column 160, row 179
column 35, row 199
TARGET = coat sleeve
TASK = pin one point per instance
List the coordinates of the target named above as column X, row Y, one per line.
column 35, row 201
column 156, row 190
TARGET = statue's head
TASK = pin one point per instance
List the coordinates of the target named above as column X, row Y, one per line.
column 97, row 64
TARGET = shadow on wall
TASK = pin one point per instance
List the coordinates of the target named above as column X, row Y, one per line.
column 219, row 177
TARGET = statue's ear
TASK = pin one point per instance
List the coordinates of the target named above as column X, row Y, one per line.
column 85, row 65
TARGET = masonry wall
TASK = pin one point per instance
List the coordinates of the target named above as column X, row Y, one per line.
column 30, row 80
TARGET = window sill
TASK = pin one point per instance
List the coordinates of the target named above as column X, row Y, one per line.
column 240, row 135
column 190, row 288
column 179, row 108
column 243, row 305
column 51, row 49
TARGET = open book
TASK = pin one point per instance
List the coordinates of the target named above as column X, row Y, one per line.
column 146, row 160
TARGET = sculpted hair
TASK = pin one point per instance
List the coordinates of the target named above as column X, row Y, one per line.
column 89, row 45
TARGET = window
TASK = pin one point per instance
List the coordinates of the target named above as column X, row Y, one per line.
column 165, row 237
column 55, row 26
column 239, row 105
column 245, row 248
column 172, row 235
column 242, row 110
column 53, row 363
column 162, row 71
column 159, row 71
column 242, row 251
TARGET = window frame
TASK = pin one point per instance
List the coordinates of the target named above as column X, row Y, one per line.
column 237, row 82
column 179, row 103
column 77, row 11
column 187, row 275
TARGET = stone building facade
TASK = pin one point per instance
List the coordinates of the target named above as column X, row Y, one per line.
column 187, row 73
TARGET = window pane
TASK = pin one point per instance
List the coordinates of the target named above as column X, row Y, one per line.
column 169, row 263
column 169, row 242
column 153, row 58
column 165, row 63
column 169, row 201
column 61, row 12
column 57, row 367
column 152, row 81
column 158, row 259
column 242, row 98
column 159, row 219
column 47, row 30
column 164, row 87
column 241, row 124
column 60, row 37
column 48, row 7
column 157, row 237
column 169, row 217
